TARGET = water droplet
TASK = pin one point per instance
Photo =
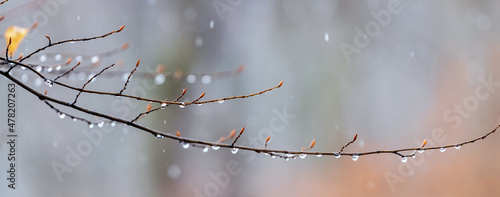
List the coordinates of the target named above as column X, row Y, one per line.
column 412, row 54
column 211, row 24
column 43, row 58
column 24, row 77
column 327, row 37
column 62, row 115
column 200, row 104
column 185, row 145
column 274, row 156
column 38, row 82
column 302, row 156
column 38, row 69
column 458, row 147
column 421, row 151
column 49, row 69
column 191, row 78
column 79, row 58
column 163, row 105
column 182, row 105
column 100, row 124
column 159, row 79
column 23, row 68
column 355, row 157
column 94, row 59
column 221, row 101
column 215, row 147
column 319, row 155
column 234, row 150
column 163, row 150
column 404, row 159
column 91, row 125
column 287, row 159
column 442, row 149
column 74, row 119
column 113, row 124
column 58, row 57
column 78, row 18
column 290, row 155
column 206, row 79
column 205, row 149
column 58, row 67
column 336, row 155
column 198, row 42
column 158, row 136
column 48, row 82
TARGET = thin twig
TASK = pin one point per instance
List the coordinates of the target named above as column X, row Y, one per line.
column 70, row 40
column 130, row 75
column 90, row 80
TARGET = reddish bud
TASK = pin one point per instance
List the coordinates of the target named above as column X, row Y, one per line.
column 231, row 135
column 148, row 107
column 281, row 83
column 125, row 46
column 68, row 61
column 121, row 28
column 178, row 134
column 312, row 144
column 424, row 143
column 268, row 138
column 240, row 68
column 243, row 129
column 355, row 137
column 160, row 69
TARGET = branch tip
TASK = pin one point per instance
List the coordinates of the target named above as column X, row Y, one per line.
column 281, row 83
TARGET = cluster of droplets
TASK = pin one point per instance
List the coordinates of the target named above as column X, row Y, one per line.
column 48, row 82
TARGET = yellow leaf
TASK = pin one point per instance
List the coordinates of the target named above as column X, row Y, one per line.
column 17, row 35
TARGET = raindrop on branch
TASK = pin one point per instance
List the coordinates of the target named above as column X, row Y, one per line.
column 336, row 155
column 48, row 82
column 158, row 136
column 404, row 159
column 205, row 149
column 458, row 147
column 355, row 157
column 62, row 115
column 442, row 149
column 221, row 101
column 100, row 124
column 234, row 150
column 319, row 155
column 185, row 145
column 91, row 125
column 302, row 156
column 215, row 147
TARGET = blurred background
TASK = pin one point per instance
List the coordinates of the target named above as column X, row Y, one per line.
column 393, row 72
